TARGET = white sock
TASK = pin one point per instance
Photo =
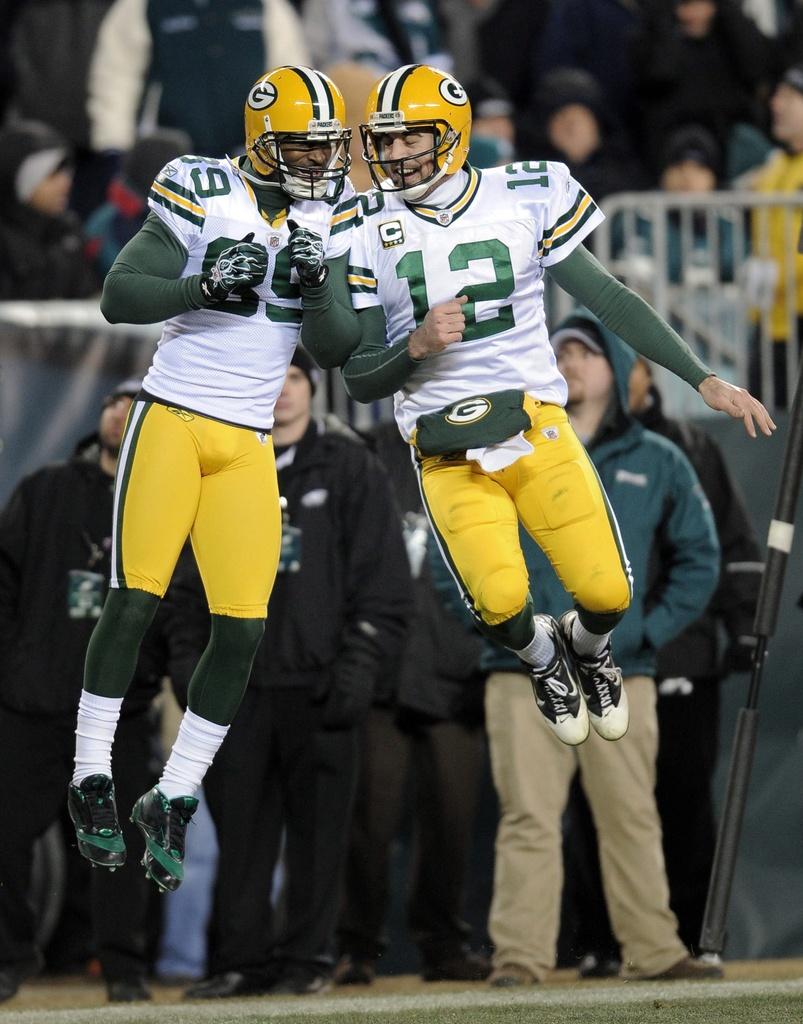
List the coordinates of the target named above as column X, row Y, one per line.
column 587, row 645
column 94, row 735
column 540, row 650
column 197, row 743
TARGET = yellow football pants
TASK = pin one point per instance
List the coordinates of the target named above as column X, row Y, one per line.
column 556, row 494
column 180, row 474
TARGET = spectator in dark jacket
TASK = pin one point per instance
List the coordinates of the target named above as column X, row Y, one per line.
column 596, row 36
column 571, row 123
column 55, row 539
column 41, row 244
column 430, row 730
column 335, row 623
column 701, row 61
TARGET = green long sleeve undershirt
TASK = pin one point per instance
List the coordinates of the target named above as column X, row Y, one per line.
column 143, row 285
column 330, row 328
column 375, row 371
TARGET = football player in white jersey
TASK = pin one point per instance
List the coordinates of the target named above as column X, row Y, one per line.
column 212, row 261
column 447, row 273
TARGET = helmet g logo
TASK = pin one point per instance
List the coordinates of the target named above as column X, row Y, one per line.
column 469, row 411
column 452, row 91
column 262, row 95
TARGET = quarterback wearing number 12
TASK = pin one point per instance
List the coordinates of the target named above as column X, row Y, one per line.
column 212, row 261
column 446, row 272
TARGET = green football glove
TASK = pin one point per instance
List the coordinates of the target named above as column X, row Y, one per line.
column 306, row 255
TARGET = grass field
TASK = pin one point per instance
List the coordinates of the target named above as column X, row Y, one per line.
column 762, row 993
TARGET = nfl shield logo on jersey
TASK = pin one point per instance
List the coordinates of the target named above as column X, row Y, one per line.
column 551, row 433
column 444, row 218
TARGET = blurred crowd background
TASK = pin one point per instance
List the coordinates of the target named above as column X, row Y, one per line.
column 684, row 118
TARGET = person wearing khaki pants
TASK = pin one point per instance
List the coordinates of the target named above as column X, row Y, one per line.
column 668, row 532
column 532, row 772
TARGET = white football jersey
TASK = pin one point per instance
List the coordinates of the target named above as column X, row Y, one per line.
column 492, row 243
column 229, row 361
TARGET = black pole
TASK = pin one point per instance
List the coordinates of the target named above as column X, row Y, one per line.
column 779, row 544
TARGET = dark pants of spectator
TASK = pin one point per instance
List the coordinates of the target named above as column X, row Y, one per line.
column 37, row 766
column 688, row 730
column 688, row 744
column 446, row 759
column 783, row 391
column 279, row 775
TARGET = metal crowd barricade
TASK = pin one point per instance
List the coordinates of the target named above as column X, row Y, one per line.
column 703, row 261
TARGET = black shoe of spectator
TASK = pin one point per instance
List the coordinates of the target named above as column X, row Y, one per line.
column 353, row 970
column 461, row 967
column 230, row 984
column 12, row 976
column 300, row 980
column 595, row 965
column 9, row 983
column 128, row 990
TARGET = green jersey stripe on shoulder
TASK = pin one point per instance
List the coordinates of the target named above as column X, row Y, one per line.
column 176, row 189
column 582, row 198
column 180, row 211
column 556, row 243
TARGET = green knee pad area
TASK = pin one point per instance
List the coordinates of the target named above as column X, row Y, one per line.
column 598, row 622
column 221, row 676
column 514, row 633
column 111, row 656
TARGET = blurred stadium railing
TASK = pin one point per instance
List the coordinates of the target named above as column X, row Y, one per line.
column 704, row 263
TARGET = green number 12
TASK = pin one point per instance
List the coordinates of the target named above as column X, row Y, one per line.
column 411, row 268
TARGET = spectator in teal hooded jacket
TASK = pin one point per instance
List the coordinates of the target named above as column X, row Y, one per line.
column 661, row 511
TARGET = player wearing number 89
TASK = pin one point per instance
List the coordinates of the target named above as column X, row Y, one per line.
column 446, row 273
column 211, row 261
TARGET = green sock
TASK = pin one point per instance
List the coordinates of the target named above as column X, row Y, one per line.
column 111, row 657
column 221, row 676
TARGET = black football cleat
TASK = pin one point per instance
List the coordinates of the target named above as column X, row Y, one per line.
column 557, row 692
column 94, row 814
column 163, row 823
column 602, row 686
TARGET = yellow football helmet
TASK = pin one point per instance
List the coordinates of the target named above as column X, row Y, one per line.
column 298, row 107
column 417, row 98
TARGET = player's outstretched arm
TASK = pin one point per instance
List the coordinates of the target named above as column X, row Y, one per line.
column 637, row 323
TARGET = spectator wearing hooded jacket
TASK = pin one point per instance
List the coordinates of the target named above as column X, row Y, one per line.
column 55, row 542
column 41, row 243
column 572, row 124
column 658, row 504
column 690, row 670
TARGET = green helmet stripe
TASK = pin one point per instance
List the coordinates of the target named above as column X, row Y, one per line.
column 313, row 92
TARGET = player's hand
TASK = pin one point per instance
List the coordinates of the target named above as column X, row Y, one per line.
column 736, row 402
column 443, row 325
column 242, row 265
column 305, row 248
